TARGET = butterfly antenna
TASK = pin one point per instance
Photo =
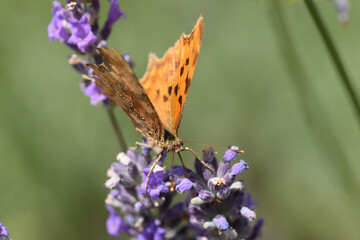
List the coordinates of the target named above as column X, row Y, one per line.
column 198, row 158
column 209, row 145
column 172, row 173
column 183, row 165
column 151, row 170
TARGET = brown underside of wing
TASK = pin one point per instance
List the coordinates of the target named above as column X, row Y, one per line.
column 117, row 80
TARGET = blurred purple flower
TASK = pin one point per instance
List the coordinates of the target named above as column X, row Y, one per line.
column 114, row 223
column 94, row 93
column 56, row 30
column 343, row 9
column 183, row 185
column 82, row 36
column 114, row 14
column 3, row 231
column 152, row 231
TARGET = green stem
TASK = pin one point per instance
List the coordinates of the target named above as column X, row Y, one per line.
column 334, row 53
column 117, row 130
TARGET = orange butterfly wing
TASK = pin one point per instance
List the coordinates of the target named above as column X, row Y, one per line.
column 117, row 80
column 167, row 80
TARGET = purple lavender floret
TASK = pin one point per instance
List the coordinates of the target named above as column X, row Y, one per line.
column 76, row 24
column 217, row 202
column 3, row 232
column 114, row 15
column 56, row 29
column 92, row 91
column 156, row 184
column 153, row 230
column 82, row 36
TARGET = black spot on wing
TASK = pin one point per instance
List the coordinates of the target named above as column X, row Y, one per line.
column 187, row 62
column 181, row 71
column 176, row 89
column 187, row 83
column 157, row 94
column 165, row 98
column 180, row 100
column 169, row 90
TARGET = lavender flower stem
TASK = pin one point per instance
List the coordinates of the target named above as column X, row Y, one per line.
column 117, row 130
column 334, row 53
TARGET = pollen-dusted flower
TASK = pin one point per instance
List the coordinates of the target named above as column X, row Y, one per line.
column 81, row 34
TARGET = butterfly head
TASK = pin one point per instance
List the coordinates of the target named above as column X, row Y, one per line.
column 175, row 145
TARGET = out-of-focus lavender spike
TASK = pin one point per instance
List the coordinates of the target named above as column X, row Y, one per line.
column 343, row 9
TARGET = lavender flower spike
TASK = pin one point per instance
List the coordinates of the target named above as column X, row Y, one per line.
column 218, row 204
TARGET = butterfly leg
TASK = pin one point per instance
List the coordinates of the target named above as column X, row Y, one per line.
column 172, row 173
column 144, row 145
column 151, row 170
column 182, row 163
column 198, row 158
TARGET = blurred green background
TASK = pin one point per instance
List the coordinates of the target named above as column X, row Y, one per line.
column 264, row 81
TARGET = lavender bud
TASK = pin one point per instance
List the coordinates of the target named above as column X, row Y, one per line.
column 206, row 196
column 183, row 185
column 237, row 186
column 223, row 192
column 223, row 168
column 123, row 158
column 230, row 155
column 197, row 201
column 238, row 168
column 248, row 213
column 221, row 223
column 133, row 170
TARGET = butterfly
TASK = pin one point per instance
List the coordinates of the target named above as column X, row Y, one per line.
column 154, row 104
